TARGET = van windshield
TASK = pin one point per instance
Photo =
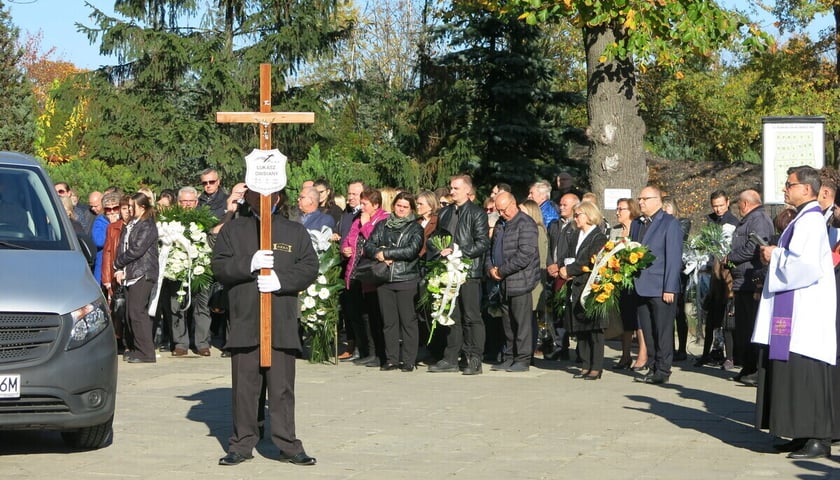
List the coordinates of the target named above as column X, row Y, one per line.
column 28, row 216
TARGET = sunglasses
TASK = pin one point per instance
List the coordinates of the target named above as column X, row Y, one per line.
column 209, row 182
column 443, row 204
column 60, row 191
column 112, row 209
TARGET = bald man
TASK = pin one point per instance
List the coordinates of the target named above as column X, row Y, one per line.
column 514, row 261
column 747, row 277
column 658, row 285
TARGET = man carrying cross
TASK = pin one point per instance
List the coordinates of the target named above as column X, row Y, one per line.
column 293, row 266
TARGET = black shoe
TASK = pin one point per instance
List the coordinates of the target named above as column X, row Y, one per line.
column 594, row 377
column 407, row 367
column 501, row 367
column 791, row 446
column 814, row 448
column 750, row 379
column 703, row 361
column 653, row 378
column 373, row 362
column 363, row 360
column 581, row 374
column 443, row 366
column 388, row 367
column 679, row 356
column 473, row 366
column 139, row 360
column 225, row 354
column 300, row 459
column 518, row 367
column 234, row 458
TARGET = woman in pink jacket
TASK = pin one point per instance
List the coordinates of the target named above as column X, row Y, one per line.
column 367, row 328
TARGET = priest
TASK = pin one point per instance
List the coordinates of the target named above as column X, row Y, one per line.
column 796, row 323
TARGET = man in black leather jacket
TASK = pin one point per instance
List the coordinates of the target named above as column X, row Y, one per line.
column 467, row 223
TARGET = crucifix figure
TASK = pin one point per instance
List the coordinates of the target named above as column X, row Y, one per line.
column 265, row 118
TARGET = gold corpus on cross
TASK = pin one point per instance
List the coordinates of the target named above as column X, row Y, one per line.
column 265, row 118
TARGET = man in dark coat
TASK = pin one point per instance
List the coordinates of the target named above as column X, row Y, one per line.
column 515, row 262
column 237, row 261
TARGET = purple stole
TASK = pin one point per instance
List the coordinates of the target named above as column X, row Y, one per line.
column 782, row 320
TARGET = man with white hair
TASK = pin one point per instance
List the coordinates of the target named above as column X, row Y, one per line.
column 540, row 192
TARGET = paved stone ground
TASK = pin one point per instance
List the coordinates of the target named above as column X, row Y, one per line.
column 173, row 421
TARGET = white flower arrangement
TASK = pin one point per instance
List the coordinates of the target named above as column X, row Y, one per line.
column 319, row 302
column 444, row 278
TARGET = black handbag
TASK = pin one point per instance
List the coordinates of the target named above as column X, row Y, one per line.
column 118, row 301
column 372, row 271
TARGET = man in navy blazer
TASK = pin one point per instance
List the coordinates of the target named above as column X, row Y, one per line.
column 658, row 285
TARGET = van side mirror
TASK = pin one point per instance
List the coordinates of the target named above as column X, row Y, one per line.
column 86, row 245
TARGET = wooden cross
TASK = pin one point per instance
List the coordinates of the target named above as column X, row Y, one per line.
column 265, row 117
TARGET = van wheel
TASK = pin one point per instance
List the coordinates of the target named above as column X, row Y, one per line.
column 90, row 438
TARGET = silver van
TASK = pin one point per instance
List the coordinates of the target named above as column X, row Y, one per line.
column 58, row 353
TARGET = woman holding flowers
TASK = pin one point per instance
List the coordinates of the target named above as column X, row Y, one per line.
column 137, row 270
column 626, row 210
column 588, row 328
column 397, row 242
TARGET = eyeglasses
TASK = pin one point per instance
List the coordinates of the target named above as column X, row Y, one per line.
column 188, row 202
column 788, row 185
column 209, row 182
column 443, row 204
column 60, row 191
column 578, row 214
column 112, row 209
column 644, row 199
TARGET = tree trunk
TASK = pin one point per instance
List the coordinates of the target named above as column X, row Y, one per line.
column 616, row 130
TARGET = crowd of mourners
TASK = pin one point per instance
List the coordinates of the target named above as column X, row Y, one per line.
column 768, row 305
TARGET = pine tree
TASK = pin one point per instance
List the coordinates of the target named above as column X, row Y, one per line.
column 17, row 103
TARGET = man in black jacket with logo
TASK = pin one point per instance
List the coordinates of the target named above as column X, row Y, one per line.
column 467, row 223
column 237, row 261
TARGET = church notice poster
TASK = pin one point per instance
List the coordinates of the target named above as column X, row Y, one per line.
column 789, row 142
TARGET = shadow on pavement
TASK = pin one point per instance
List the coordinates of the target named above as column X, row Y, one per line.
column 213, row 408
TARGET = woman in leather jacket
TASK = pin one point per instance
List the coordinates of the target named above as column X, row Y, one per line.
column 137, row 270
column 397, row 242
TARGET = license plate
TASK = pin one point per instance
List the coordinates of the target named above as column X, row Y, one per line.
column 10, row 386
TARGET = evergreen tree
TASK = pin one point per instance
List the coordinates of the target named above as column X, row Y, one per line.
column 17, row 104
column 180, row 62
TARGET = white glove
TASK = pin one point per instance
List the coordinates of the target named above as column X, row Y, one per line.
column 268, row 283
column 262, row 259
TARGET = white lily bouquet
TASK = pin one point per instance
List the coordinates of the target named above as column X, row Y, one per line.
column 319, row 302
column 444, row 278
column 185, row 251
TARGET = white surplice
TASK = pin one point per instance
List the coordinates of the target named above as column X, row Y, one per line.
column 805, row 267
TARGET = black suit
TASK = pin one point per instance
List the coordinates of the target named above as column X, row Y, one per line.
column 296, row 265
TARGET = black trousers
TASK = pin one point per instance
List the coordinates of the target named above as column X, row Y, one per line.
column 399, row 322
column 746, row 308
column 248, row 379
column 591, row 347
column 351, row 306
column 656, row 319
column 467, row 333
column 516, row 320
column 137, row 311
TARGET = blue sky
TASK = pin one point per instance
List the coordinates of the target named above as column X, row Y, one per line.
column 57, row 19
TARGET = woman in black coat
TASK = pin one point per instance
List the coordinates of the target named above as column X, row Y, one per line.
column 137, row 268
column 588, row 329
column 397, row 242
